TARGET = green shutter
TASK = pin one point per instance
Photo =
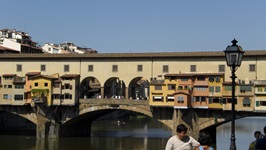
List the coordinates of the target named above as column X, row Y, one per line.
column 257, row 103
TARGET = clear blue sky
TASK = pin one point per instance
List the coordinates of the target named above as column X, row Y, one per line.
column 129, row 26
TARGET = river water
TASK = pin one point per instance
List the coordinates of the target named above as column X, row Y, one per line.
column 131, row 134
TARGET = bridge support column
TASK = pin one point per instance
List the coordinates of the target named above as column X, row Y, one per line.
column 126, row 92
column 189, row 118
column 102, row 92
column 46, row 128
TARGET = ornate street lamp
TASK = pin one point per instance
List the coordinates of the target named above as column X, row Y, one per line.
column 233, row 55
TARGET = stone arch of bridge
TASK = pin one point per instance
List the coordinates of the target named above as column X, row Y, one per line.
column 91, row 113
column 30, row 117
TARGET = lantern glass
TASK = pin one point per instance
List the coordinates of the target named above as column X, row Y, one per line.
column 234, row 54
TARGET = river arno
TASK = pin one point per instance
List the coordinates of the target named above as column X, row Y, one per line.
column 131, row 134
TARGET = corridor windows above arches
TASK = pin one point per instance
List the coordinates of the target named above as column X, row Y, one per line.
column 19, row 68
column 43, row 68
column 165, row 68
column 66, row 68
column 115, row 68
column 139, row 69
column 193, row 68
column 90, row 68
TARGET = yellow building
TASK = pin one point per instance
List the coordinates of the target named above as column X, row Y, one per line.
column 41, row 88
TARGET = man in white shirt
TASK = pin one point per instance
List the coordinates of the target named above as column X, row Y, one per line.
column 181, row 141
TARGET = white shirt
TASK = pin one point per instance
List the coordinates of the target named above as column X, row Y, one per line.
column 174, row 143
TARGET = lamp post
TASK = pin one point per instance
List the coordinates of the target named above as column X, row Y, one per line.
column 233, row 55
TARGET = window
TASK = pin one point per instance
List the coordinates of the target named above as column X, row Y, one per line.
column 200, row 99
column 221, row 68
column 201, row 88
column 158, row 87
column 217, row 89
column 43, row 67
column 18, row 97
column 90, row 68
column 246, row 102
column 19, row 86
column 165, row 68
column 193, row 68
column 171, row 87
column 244, row 89
column 66, row 68
column 211, row 89
column 67, row 86
column 68, row 96
column 180, row 99
column 45, row 84
column 139, row 68
column 36, row 84
column 228, row 88
column 170, row 98
column 9, row 86
column 157, row 98
column 115, row 68
column 7, row 96
column 201, row 78
column 252, row 68
column 19, row 67
column 184, row 78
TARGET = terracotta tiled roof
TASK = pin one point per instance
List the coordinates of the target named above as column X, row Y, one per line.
column 43, row 76
column 213, row 54
column 192, row 74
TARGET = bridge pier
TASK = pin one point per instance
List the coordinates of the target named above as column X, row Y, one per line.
column 46, row 128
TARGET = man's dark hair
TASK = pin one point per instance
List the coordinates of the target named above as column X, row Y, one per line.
column 180, row 128
column 257, row 132
column 205, row 139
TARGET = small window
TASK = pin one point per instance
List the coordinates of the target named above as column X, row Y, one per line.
column 18, row 97
column 180, row 99
column 43, row 68
column 165, row 68
column 36, row 84
column 90, row 68
column 193, row 68
column 201, row 78
column 217, row 89
column 157, row 98
column 221, row 68
column 252, row 68
column 211, row 89
column 184, row 78
column 170, row 98
column 158, row 87
column 19, row 67
column 115, row 68
column 45, row 84
column 139, row 68
column 171, row 87
column 66, row 68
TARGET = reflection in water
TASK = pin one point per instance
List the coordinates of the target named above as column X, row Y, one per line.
column 134, row 134
column 244, row 131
